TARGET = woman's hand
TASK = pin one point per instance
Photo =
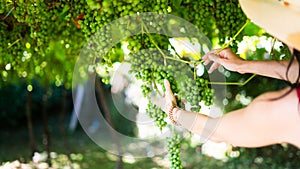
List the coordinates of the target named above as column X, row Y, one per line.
column 226, row 58
column 170, row 99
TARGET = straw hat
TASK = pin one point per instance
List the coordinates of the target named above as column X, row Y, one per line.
column 280, row 18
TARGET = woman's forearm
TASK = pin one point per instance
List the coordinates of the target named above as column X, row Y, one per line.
column 199, row 124
column 239, row 128
column 272, row 68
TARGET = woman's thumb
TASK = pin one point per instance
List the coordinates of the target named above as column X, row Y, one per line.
column 166, row 83
column 167, row 86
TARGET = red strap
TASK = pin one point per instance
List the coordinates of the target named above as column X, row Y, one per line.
column 298, row 93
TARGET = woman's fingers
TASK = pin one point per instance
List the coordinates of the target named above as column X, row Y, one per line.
column 206, row 62
column 210, row 52
column 213, row 67
column 169, row 94
column 211, row 56
column 170, row 98
column 215, row 58
column 168, row 88
column 206, row 57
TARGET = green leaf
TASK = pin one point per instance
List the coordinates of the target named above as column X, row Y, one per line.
column 64, row 12
column 251, row 30
column 93, row 4
column 176, row 3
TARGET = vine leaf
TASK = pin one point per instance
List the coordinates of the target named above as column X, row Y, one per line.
column 176, row 3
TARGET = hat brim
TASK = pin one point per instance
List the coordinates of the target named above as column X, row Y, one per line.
column 278, row 18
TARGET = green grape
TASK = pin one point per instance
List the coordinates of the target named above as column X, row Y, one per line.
column 174, row 152
column 105, row 80
column 146, row 90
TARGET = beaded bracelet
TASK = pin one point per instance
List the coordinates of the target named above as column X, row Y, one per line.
column 171, row 115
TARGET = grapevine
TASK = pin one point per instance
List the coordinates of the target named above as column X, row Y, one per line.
column 30, row 30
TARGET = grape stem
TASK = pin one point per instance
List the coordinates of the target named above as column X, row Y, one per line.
column 150, row 37
column 8, row 13
column 226, row 46
column 155, row 86
column 233, row 38
column 162, row 53
column 183, row 61
column 272, row 49
column 233, row 83
column 173, row 129
column 195, row 76
column 14, row 43
column 3, row 24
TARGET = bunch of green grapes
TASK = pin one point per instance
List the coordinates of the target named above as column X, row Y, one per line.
column 29, row 30
column 97, row 15
column 100, row 13
column 13, row 45
column 229, row 19
column 157, row 114
column 3, row 8
column 12, row 52
column 38, row 18
column 196, row 91
column 216, row 17
column 137, row 42
column 48, row 21
column 152, row 67
column 149, row 22
column 149, row 66
column 174, row 152
column 201, row 15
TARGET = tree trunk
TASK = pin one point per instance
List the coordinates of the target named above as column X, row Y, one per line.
column 103, row 104
column 61, row 124
column 46, row 136
column 29, row 124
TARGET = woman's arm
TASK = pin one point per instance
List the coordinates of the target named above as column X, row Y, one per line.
column 262, row 123
column 274, row 69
